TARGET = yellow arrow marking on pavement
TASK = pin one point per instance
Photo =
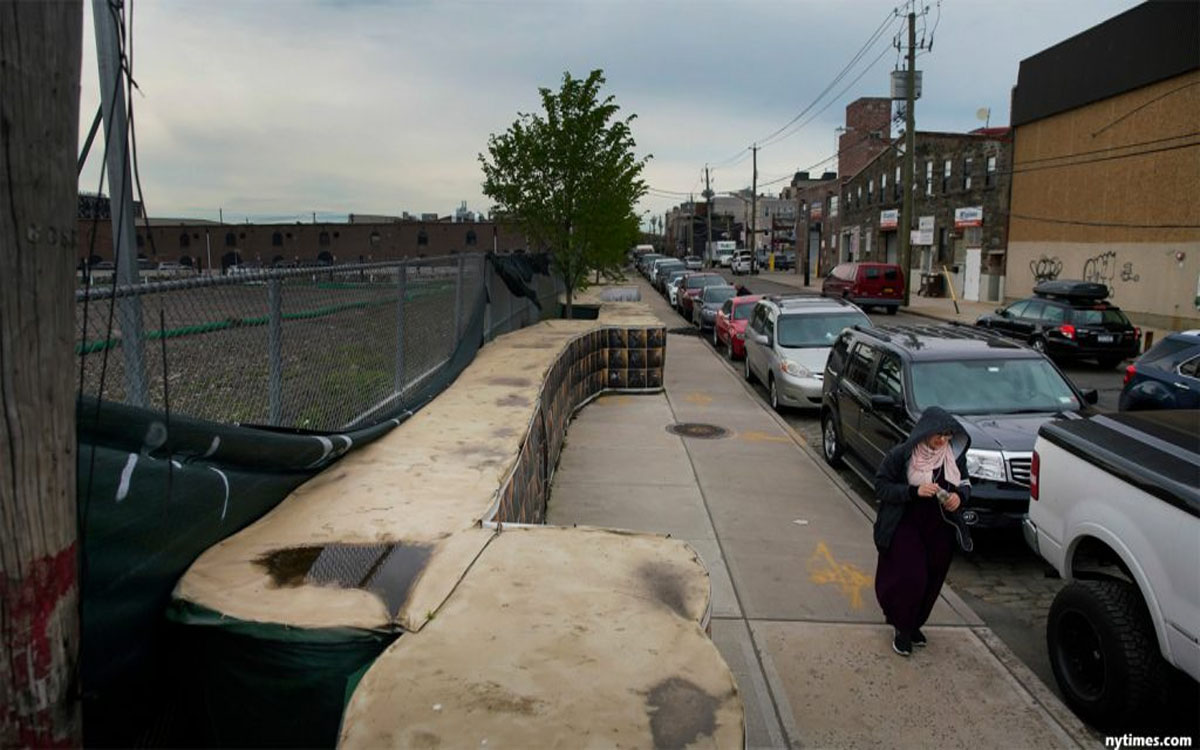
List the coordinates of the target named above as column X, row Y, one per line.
column 822, row 569
column 700, row 399
column 763, row 437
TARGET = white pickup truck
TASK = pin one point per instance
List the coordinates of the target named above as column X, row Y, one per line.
column 1115, row 508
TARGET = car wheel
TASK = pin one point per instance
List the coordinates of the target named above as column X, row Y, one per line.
column 1104, row 652
column 746, row 371
column 729, row 348
column 831, row 440
column 773, row 393
column 1038, row 343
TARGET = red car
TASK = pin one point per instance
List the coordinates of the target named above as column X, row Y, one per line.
column 730, row 327
column 693, row 285
column 867, row 285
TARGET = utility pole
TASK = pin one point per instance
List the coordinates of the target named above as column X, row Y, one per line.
column 41, row 44
column 691, row 224
column 906, row 210
column 708, row 196
column 754, row 205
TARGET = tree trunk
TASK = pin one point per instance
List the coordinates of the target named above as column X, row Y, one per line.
column 40, row 48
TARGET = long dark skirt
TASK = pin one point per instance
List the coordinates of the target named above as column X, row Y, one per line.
column 911, row 571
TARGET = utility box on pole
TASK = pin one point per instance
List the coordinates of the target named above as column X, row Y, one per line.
column 40, row 48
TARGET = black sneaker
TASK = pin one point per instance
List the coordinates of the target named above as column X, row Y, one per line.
column 902, row 644
column 918, row 639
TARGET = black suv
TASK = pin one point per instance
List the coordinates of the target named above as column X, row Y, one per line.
column 1069, row 320
column 879, row 379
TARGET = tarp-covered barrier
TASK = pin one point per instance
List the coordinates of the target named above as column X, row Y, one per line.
column 378, row 542
column 154, row 493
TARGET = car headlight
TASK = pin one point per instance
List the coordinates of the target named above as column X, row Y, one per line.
column 986, row 465
column 796, row 370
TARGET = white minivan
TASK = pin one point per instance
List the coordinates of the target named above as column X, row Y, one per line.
column 742, row 262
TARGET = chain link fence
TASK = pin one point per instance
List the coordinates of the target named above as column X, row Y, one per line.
column 323, row 349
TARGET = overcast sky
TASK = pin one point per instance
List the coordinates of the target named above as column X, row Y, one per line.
column 275, row 109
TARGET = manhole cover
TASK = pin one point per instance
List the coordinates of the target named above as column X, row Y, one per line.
column 689, row 331
column 697, row 430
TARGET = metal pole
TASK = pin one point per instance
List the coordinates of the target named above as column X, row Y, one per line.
column 909, row 156
column 112, row 102
column 275, row 351
column 754, row 205
column 458, row 301
column 402, row 293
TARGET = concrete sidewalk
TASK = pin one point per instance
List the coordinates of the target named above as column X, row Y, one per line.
column 790, row 554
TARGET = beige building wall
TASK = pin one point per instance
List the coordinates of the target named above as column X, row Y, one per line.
column 1111, row 192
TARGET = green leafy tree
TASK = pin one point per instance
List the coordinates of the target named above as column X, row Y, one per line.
column 569, row 178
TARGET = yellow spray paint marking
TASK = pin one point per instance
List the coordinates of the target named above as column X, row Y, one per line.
column 700, row 399
column 616, row 399
column 822, row 569
column 763, row 437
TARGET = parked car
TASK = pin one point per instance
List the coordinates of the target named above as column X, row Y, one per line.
column 674, row 287
column 1069, row 320
column 785, row 261
column 694, row 262
column 671, row 278
column 658, row 263
column 1115, row 509
column 742, row 262
column 878, row 381
column 1165, row 377
column 788, row 340
column 643, row 263
column 867, row 285
column 691, row 287
column 729, row 327
column 662, row 270
column 705, row 307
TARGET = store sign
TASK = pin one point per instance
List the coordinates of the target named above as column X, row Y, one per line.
column 971, row 216
column 924, row 234
column 889, row 219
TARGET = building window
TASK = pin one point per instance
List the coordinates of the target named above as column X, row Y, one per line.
column 471, row 238
column 230, row 240
column 277, row 239
column 870, row 191
column 897, row 190
column 946, row 176
column 858, row 197
column 422, row 238
column 990, row 180
column 184, row 240
column 323, row 239
column 833, row 206
column 883, row 187
column 928, row 178
column 375, row 238
column 967, row 173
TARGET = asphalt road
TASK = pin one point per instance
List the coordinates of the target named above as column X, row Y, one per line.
column 1003, row 581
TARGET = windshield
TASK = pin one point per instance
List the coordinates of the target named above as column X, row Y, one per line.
column 742, row 312
column 992, row 387
column 718, row 294
column 815, row 330
column 699, row 282
column 1098, row 317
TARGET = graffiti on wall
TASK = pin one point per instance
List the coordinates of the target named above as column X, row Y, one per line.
column 1127, row 273
column 1045, row 269
column 1101, row 269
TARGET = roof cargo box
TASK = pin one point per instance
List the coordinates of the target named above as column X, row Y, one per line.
column 1071, row 288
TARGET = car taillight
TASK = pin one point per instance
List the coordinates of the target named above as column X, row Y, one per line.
column 1130, row 371
column 1067, row 330
column 1034, row 468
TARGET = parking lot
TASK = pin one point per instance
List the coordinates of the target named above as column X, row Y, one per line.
column 1003, row 581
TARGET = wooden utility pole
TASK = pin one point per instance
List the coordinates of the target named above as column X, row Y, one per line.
column 40, row 49
column 906, row 210
column 754, row 205
column 708, row 196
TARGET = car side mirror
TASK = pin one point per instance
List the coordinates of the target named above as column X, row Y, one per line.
column 882, row 401
column 1091, row 396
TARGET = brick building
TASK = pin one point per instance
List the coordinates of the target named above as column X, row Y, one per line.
column 195, row 242
column 1107, row 163
column 960, row 208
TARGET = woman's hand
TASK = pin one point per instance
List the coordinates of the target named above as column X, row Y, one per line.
column 952, row 502
column 929, row 489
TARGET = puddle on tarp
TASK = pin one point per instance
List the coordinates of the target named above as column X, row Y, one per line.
column 386, row 570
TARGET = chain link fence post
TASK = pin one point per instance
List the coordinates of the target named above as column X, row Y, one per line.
column 275, row 351
column 401, row 293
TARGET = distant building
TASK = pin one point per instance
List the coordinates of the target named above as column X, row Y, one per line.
column 1106, row 163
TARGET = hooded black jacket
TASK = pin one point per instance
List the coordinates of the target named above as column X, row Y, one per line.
column 892, row 489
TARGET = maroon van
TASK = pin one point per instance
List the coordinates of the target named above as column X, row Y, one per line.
column 867, row 285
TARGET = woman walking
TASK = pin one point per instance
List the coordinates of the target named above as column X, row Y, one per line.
column 921, row 487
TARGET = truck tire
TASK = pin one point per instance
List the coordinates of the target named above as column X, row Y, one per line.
column 1104, row 652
